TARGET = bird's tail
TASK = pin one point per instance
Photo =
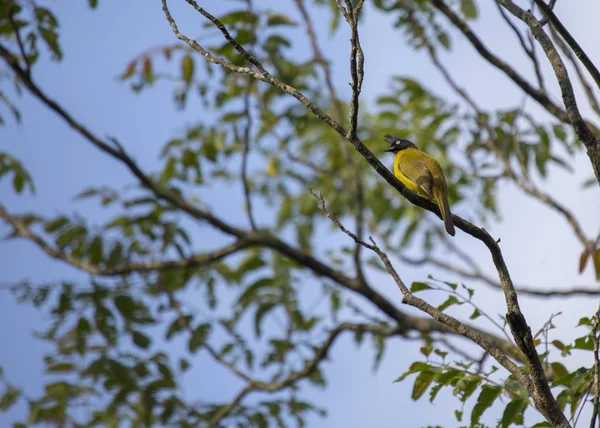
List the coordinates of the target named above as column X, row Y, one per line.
column 440, row 194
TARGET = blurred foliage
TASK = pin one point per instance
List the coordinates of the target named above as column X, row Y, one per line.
column 110, row 337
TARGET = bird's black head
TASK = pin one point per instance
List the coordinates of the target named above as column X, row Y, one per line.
column 397, row 144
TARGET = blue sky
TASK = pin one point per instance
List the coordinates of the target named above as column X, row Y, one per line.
column 539, row 248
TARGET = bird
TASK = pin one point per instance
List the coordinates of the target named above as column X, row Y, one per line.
column 422, row 174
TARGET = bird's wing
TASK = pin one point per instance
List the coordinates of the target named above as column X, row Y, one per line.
column 417, row 171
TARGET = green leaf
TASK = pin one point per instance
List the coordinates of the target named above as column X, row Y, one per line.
column 147, row 72
column 476, row 314
column 187, row 68
column 466, row 386
column 251, row 262
column 54, row 225
column 168, row 171
column 237, row 17
column 584, row 343
column 184, row 365
column 140, row 339
column 421, row 384
column 95, row 250
column 444, row 40
column 415, row 367
column 584, row 321
column 316, row 377
column 513, row 413
column 198, row 337
column 250, row 294
column 275, row 19
column 559, row 370
column 487, row 396
column 335, row 301
column 419, row 286
column 60, row 368
column 10, row 396
column 210, row 150
column 560, row 132
column 106, row 324
column 568, row 379
column 262, row 310
column 589, row 183
column 178, row 325
column 125, row 305
column 468, row 8
column 18, row 182
column 451, row 300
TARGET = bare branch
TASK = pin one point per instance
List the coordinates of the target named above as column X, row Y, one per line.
column 514, row 312
column 195, row 212
column 540, row 97
column 418, row 303
column 11, row 20
column 514, row 315
column 337, row 110
column 529, row 50
column 526, row 186
column 551, row 5
column 224, row 411
column 583, row 131
column 579, row 52
column 596, row 400
column 357, row 62
column 254, row 385
column 589, row 91
column 199, row 260
column 320, row 58
column 537, row 384
column 245, row 153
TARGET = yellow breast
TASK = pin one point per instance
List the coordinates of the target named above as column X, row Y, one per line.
column 404, row 179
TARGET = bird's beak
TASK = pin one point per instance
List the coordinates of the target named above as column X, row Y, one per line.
column 391, row 150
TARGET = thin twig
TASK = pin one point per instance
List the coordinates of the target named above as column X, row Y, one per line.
column 338, row 115
column 11, row 20
column 486, row 54
column 544, row 19
column 581, row 127
column 418, row 303
column 196, row 261
column 527, row 186
column 245, row 153
column 596, row 399
column 529, row 50
column 566, row 35
column 587, row 88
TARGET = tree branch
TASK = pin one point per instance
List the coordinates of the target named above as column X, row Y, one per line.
column 596, row 399
column 410, row 299
column 537, row 384
column 526, row 186
column 199, row 260
column 584, row 133
column 537, row 95
column 338, row 114
column 551, row 5
column 246, row 152
column 269, row 241
column 579, row 52
column 529, row 50
column 521, row 332
column 11, row 20
column 589, row 91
